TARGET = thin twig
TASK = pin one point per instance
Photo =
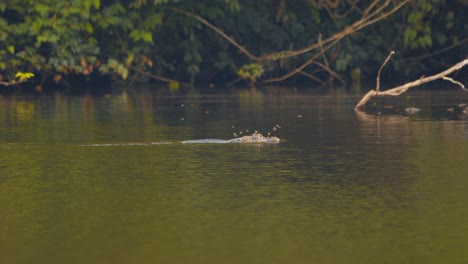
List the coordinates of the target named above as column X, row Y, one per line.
column 377, row 85
column 321, row 49
column 300, row 68
column 157, row 77
column 455, row 82
column 330, row 71
column 311, row 76
column 368, row 9
column 326, row 65
column 217, row 30
column 235, row 81
column 436, row 52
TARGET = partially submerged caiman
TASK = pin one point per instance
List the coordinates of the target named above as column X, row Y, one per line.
column 254, row 138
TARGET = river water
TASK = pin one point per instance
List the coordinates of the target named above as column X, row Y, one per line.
column 104, row 179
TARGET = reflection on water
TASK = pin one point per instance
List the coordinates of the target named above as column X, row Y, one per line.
column 104, row 180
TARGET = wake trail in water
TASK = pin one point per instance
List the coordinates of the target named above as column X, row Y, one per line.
column 126, row 144
column 254, row 138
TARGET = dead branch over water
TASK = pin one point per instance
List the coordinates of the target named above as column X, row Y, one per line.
column 403, row 88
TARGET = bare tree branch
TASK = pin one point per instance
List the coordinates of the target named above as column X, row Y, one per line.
column 311, row 76
column 358, row 25
column 330, row 71
column 157, row 77
column 436, row 52
column 300, row 68
column 403, row 88
column 331, row 41
column 455, row 82
column 217, row 30
column 13, row 82
column 377, row 86
column 372, row 14
column 326, row 65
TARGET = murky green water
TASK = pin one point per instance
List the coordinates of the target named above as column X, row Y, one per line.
column 87, row 180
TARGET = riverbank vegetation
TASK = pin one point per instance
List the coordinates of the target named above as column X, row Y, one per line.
column 222, row 42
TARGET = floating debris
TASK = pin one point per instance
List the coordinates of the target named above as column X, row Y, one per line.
column 412, row 110
column 459, row 109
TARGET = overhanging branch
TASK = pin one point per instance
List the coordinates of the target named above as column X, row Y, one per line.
column 375, row 12
column 13, row 82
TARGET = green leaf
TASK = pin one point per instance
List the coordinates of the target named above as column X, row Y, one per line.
column 104, row 68
column 47, row 37
column 158, row 2
column 135, row 35
column 42, row 9
column 97, row 4
column 233, row 5
column 89, row 28
column 112, row 63
column 36, row 26
column 129, row 59
column 22, row 76
column 87, row 4
column 122, row 71
column 251, row 71
column 153, row 21
column 11, row 49
column 144, row 35
column 173, row 86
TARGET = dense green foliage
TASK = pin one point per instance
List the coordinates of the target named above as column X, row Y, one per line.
column 132, row 39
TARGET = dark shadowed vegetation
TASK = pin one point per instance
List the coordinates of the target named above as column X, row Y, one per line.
column 226, row 41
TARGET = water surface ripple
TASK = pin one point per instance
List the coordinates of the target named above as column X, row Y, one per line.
column 105, row 180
